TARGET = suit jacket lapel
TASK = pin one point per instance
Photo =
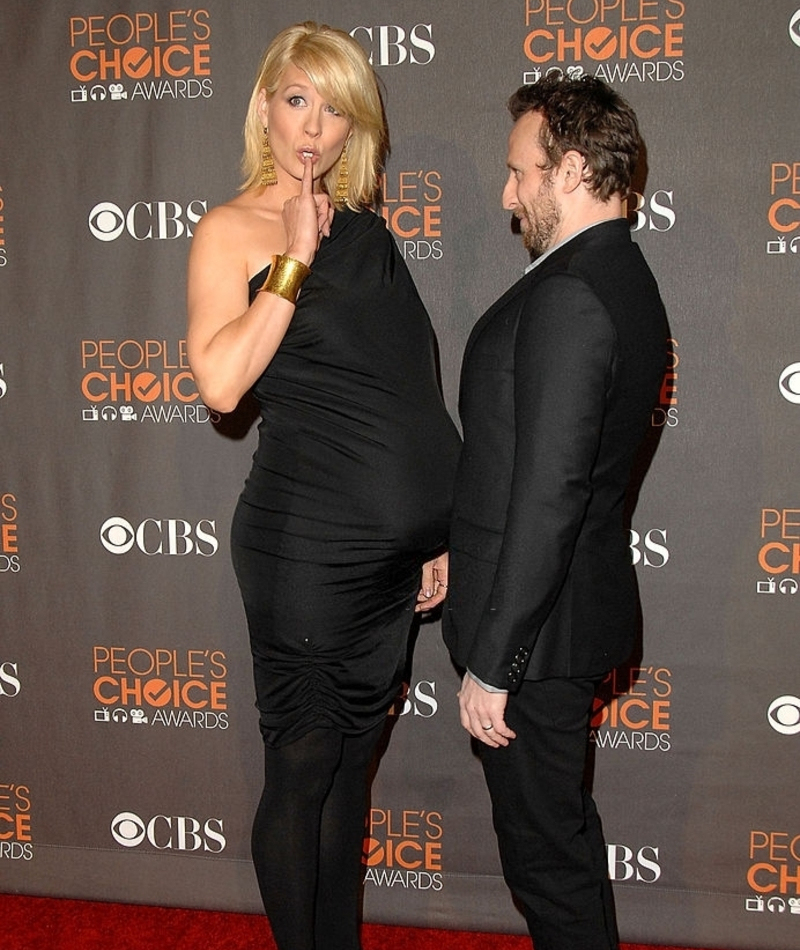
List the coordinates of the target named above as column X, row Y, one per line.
column 513, row 291
column 614, row 230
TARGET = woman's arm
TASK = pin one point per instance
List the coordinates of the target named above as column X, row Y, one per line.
column 230, row 342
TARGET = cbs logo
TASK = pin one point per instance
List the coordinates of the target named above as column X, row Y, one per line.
column 650, row 548
column 419, row 700
column 794, row 28
column 145, row 220
column 789, row 383
column 625, row 865
column 393, row 46
column 168, row 833
column 784, row 715
column 9, row 679
column 169, row 536
column 654, row 213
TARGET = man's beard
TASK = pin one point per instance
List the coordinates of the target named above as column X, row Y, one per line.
column 540, row 223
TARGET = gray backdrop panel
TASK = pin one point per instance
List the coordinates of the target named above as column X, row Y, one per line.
column 130, row 750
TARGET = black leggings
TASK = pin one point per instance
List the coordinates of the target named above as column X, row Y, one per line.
column 308, row 838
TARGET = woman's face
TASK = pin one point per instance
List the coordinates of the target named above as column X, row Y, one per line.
column 302, row 126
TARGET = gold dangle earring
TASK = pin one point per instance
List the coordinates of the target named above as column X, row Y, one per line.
column 343, row 181
column 268, row 173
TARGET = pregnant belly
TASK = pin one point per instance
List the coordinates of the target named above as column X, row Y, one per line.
column 372, row 496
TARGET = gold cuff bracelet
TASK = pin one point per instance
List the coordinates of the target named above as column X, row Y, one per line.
column 285, row 278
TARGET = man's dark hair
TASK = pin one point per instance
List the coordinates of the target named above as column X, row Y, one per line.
column 586, row 115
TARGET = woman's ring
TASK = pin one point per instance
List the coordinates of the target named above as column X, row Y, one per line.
column 487, row 728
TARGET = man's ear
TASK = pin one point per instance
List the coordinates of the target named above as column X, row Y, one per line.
column 573, row 168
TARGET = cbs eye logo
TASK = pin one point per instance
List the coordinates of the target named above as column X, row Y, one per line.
column 117, row 535
column 789, row 383
column 106, row 221
column 784, row 715
column 128, row 829
column 794, row 28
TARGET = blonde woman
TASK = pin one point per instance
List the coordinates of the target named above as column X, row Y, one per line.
column 297, row 291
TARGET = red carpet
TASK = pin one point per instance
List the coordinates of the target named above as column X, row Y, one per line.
column 45, row 923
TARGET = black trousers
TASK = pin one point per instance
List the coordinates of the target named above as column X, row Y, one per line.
column 548, row 830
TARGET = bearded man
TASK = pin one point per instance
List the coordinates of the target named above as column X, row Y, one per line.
column 558, row 383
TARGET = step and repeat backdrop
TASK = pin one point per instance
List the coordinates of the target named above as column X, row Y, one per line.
column 130, row 758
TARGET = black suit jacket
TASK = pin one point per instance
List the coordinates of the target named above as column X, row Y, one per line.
column 558, row 383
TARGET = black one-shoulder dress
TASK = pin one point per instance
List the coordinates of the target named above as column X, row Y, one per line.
column 349, row 492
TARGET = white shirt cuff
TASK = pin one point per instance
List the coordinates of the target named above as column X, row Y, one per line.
column 486, row 686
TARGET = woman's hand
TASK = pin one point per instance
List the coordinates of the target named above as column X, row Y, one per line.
column 433, row 588
column 307, row 218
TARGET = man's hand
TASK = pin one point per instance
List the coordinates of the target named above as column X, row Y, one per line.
column 483, row 714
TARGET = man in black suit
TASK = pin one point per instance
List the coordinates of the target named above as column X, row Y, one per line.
column 557, row 387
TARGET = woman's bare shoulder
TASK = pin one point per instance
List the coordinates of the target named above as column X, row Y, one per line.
column 242, row 218
column 236, row 213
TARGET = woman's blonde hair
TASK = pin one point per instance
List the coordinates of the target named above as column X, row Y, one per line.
column 340, row 71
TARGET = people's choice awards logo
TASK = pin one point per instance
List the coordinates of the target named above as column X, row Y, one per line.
column 783, row 715
column 404, row 847
column 665, row 413
column 9, row 535
column 789, row 383
column 783, row 215
column 775, row 871
column 411, row 205
column 160, row 687
column 780, row 550
column 632, row 710
column 15, row 822
column 140, row 381
column 128, row 56
column 619, row 42
column 167, row 833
